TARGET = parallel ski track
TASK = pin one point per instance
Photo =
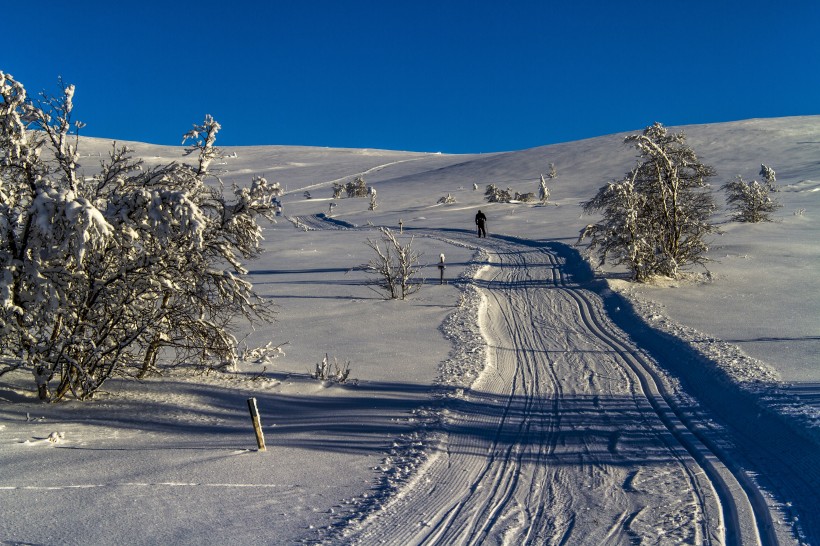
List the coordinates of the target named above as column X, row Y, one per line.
column 517, row 494
column 745, row 512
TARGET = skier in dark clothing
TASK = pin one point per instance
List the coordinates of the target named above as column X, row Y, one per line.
column 480, row 220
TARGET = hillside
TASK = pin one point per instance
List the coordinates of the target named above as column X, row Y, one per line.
column 515, row 367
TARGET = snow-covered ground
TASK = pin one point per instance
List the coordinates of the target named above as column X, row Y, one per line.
column 528, row 400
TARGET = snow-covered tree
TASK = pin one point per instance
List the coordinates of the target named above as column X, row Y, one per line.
column 494, row 194
column 395, row 266
column 553, row 174
column 356, row 188
column 751, row 201
column 101, row 274
column 446, row 200
column 769, row 177
column 373, row 204
column 543, row 191
column 337, row 190
column 656, row 218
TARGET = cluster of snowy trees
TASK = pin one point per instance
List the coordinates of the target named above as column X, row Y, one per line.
column 354, row 188
column 102, row 274
column 494, row 194
column 656, row 218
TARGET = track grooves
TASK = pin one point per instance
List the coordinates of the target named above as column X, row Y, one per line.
column 571, row 434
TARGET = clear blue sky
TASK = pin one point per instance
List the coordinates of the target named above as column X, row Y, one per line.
column 442, row 75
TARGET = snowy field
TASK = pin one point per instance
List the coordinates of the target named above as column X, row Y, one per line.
column 529, row 400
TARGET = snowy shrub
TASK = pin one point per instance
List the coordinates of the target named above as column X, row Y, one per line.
column 395, row 266
column 101, row 274
column 751, row 201
column 327, row 371
column 337, row 190
column 553, row 174
column 262, row 355
column 446, row 200
column 496, row 195
column 655, row 218
column 356, row 188
column 769, row 178
column 524, row 197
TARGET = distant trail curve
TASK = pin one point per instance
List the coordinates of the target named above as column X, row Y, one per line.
column 362, row 173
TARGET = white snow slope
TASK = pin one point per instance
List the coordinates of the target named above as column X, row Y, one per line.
column 529, row 400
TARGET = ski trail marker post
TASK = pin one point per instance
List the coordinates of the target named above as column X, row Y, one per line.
column 257, row 425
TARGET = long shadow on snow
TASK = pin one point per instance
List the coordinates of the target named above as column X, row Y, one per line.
column 781, row 452
column 365, row 419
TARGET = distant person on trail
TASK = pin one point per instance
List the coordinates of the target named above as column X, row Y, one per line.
column 480, row 220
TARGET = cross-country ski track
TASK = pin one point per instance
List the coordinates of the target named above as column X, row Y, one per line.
column 573, row 434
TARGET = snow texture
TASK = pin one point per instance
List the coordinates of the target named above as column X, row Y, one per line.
column 528, row 400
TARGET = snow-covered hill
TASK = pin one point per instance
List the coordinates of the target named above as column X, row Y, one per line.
column 173, row 459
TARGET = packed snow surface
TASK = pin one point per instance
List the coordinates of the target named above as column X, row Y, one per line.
column 529, row 399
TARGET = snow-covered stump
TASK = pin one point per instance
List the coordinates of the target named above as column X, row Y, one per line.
column 257, row 425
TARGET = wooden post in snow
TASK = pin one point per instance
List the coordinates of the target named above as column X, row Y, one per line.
column 257, row 425
column 401, row 226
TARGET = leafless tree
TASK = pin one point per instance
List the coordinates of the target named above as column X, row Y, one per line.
column 656, row 218
column 395, row 266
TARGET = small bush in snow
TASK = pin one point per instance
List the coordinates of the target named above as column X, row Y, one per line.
column 327, row 371
column 101, row 274
column 262, row 355
column 395, row 266
column 446, row 200
column 751, row 201
column 525, row 197
column 656, row 218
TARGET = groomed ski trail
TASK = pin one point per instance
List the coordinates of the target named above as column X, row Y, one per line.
column 571, row 434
